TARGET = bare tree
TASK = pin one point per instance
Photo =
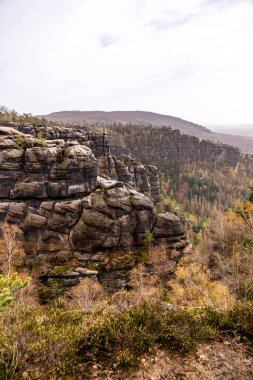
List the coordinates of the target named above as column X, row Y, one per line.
column 86, row 293
column 11, row 250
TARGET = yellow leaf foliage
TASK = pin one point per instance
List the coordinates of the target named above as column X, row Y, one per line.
column 193, row 286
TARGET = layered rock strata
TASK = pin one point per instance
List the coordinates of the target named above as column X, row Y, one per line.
column 66, row 144
column 30, row 169
column 51, row 190
column 175, row 147
column 72, row 198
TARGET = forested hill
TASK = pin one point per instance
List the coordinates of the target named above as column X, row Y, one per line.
column 128, row 117
column 150, row 118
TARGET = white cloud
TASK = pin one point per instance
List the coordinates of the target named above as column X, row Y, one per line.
column 188, row 58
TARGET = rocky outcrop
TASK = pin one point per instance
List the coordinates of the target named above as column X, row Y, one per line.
column 51, row 190
column 68, row 159
column 30, row 169
column 143, row 178
column 73, row 200
column 168, row 229
column 112, row 217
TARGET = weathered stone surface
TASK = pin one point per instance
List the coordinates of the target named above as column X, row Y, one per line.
column 108, row 184
column 121, row 167
column 73, row 199
column 16, row 212
column 50, row 189
column 152, row 174
column 143, row 178
column 168, row 229
column 107, row 219
column 168, row 225
column 29, row 190
column 114, row 220
column 34, row 221
column 86, row 272
column 35, row 168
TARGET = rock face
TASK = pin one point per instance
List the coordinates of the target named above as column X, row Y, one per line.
column 168, row 229
column 59, row 169
column 151, row 143
column 143, row 178
column 69, row 162
column 50, row 188
column 112, row 217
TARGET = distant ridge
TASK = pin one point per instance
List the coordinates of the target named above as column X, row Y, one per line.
column 125, row 117
column 245, row 143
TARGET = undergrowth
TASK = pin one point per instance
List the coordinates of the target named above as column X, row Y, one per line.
column 40, row 343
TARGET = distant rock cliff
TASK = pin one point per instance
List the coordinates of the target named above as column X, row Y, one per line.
column 160, row 144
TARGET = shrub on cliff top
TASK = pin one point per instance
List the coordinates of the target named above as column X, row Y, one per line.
column 59, row 343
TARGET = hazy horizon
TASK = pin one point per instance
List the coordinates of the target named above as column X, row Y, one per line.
column 189, row 59
column 241, row 130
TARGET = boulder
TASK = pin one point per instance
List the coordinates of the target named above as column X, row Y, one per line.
column 167, row 225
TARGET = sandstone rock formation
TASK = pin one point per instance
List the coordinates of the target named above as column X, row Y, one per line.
column 68, row 145
column 164, row 144
column 50, row 188
column 72, row 198
column 57, row 170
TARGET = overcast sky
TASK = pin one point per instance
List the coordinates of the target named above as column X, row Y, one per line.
column 187, row 58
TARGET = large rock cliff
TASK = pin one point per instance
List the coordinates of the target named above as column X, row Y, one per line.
column 64, row 154
column 67, row 193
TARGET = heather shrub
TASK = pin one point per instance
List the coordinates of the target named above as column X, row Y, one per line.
column 242, row 316
column 38, row 342
column 120, row 339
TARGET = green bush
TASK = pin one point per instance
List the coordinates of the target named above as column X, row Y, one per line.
column 39, row 343
column 9, row 286
column 242, row 316
column 118, row 340
column 41, row 139
column 55, row 343
column 50, row 291
column 181, row 331
column 238, row 321
column 121, row 339
column 21, row 141
column 148, row 238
